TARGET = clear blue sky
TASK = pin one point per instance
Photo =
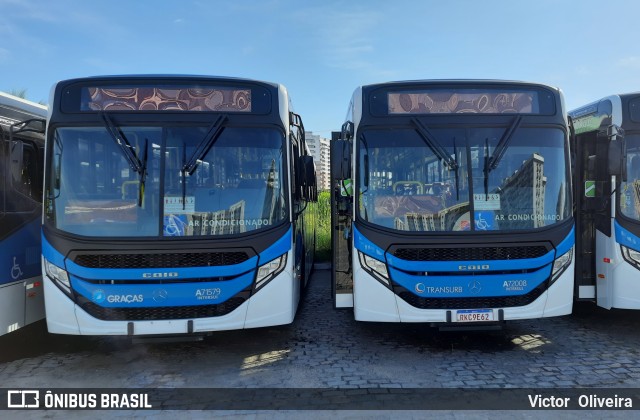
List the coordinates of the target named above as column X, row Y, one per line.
column 322, row 50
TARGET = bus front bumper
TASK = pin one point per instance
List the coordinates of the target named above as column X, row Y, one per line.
column 272, row 305
column 377, row 303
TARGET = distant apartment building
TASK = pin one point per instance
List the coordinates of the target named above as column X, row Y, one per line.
column 319, row 148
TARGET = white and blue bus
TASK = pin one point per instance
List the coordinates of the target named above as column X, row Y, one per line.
column 174, row 205
column 453, row 203
column 21, row 166
column 607, row 175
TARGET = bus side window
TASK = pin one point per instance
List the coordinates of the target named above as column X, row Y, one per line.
column 30, row 185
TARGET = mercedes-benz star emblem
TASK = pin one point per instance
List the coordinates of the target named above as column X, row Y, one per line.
column 475, row 286
column 160, row 295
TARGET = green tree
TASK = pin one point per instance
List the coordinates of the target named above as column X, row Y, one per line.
column 20, row 93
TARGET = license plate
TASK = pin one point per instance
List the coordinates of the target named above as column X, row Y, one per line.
column 474, row 315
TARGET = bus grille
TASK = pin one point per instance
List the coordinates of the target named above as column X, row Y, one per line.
column 470, row 253
column 160, row 313
column 470, row 302
column 169, row 260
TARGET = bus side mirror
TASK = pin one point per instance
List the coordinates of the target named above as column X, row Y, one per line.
column 16, row 163
column 306, row 178
column 57, row 162
column 617, row 152
column 308, row 171
column 341, row 159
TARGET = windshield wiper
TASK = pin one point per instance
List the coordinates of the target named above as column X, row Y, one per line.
column 205, row 144
column 438, row 150
column 433, row 144
column 485, row 170
column 491, row 163
column 455, row 154
column 188, row 167
column 143, row 172
column 503, row 144
column 139, row 166
column 183, row 175
column 119, row 138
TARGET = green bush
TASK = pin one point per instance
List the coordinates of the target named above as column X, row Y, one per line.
column 323, row 227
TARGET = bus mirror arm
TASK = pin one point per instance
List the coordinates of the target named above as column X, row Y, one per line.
column 32, row 125
column 300, row 211
column 606, row 202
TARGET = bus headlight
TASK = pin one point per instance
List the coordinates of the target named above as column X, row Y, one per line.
column 631, row 256
column 560, row 264
column 268, row 271
column 376, row 268
column 59, row 276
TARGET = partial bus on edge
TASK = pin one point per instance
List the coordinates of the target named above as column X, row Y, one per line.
column 174, row 205
column 607, row 176
column 21, row 164
column 453, row 203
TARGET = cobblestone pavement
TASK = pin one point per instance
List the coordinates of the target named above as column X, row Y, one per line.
column 326, row 348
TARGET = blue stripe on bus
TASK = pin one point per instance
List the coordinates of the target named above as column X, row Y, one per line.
column 173, row 273
column 452, row 286
column 278, row 248
column 51, row 254
column 361, row 243
column 20, row 253
column 566, row 243
column 154, row 294
column 626, row 238
column 454, row 266
column 161, row 295
column 528, row 281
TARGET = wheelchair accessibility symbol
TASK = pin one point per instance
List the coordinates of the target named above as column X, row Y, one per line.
column 16, row 271
column 484, row 220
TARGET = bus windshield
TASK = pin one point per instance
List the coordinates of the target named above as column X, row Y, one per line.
column 630, row 190
column 405, row 184
column 144, row 188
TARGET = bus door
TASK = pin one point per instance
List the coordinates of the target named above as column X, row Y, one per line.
column 341, row 234
column 593, row 219
column 27, row 170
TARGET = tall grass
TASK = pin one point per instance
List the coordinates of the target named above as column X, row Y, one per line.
column 323, row 227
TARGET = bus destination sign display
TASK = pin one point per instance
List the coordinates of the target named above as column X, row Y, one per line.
column 166, row 98
column 444, row 101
